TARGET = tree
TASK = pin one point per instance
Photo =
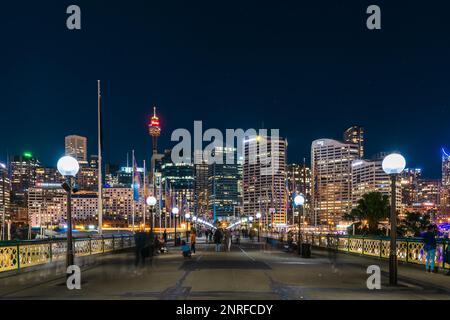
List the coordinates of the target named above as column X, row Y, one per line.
column 373, row 207
column 414, row 223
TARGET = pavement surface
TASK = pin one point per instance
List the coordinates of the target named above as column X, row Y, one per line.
column 250, row 270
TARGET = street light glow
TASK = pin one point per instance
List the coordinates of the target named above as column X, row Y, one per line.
column 175, row 210
column 299, row 200
column 258, row 215
column 151, row 201
column 68, row 166
column 187, row 215
column 394, row 163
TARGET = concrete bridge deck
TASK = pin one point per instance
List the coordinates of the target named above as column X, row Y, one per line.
column 250, row 271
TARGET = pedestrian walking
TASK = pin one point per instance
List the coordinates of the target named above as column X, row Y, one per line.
column 193, row 239
column 140, row 248
column 165, row 236
column 429, row 239
column 227, row 240
column 218, row 239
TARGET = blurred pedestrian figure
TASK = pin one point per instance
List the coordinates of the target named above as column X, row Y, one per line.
column 429, row 239
column 210, row 235
column 227, row 239
column 140, row 247
column 193, row 240
column 185, row 249
column 165, row 236
column 218, row 239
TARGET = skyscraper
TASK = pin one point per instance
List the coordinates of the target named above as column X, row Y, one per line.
column 76, row 146
column 445, row 191
column 264, row 188
column 355, row 135
column 369, row 176
column 200, row 184
column 410, row 186
column 23, row 177
column 5, row 192
column 223, row 195
column 179, row 180
column 331, row 162
column 299, row 181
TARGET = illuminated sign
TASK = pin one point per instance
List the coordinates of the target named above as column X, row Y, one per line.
column 27, row 154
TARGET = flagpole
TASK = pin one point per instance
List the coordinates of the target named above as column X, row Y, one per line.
column 100, row 185
column 145, row 199
column 132, row 192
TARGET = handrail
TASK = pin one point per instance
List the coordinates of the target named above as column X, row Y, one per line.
column 409, row 250
column 19, row 254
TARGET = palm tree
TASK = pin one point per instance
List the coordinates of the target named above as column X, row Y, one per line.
column 373, row 207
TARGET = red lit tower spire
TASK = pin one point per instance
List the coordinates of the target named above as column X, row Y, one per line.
column 154, row 130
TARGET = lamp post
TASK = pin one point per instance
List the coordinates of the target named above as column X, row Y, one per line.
column 258, row 217
column 393, row 165
column 68, row 167
column 175, row 213
column 299, row 200
column 151, row 202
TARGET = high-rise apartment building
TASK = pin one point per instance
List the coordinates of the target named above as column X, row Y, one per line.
column 5, row 192
column 355, row 135
column 369, row 176
column 76, row 146
column 445, row 191
column 331, row 163
column 299, row 182
column 264, row 176
column 410, row 178
column 200, row 184
column 23, row 176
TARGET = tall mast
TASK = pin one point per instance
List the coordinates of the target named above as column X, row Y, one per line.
column 100, row 137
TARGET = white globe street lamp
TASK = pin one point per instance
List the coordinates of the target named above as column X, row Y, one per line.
column 393, row 165
column 175, row 213
column 250, row 218
column 187, row 215
column 258, row 215
column 68, row 167
column 299, row 200
column 151, row 201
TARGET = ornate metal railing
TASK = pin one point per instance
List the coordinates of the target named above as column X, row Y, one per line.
column 15, row 255
column 409, row 250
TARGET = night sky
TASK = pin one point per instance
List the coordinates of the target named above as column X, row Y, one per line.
column 309, row 68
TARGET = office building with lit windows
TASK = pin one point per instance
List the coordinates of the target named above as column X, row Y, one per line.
column 5, row 191
column 76, row 146
column 369, row 176
column 331, row 165
column 264, row 184
column 299, row 182
column 223, row 194
column 355, row 135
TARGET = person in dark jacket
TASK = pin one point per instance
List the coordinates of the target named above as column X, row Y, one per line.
column 218, row 239
column 429, row 239
column 140, row 247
